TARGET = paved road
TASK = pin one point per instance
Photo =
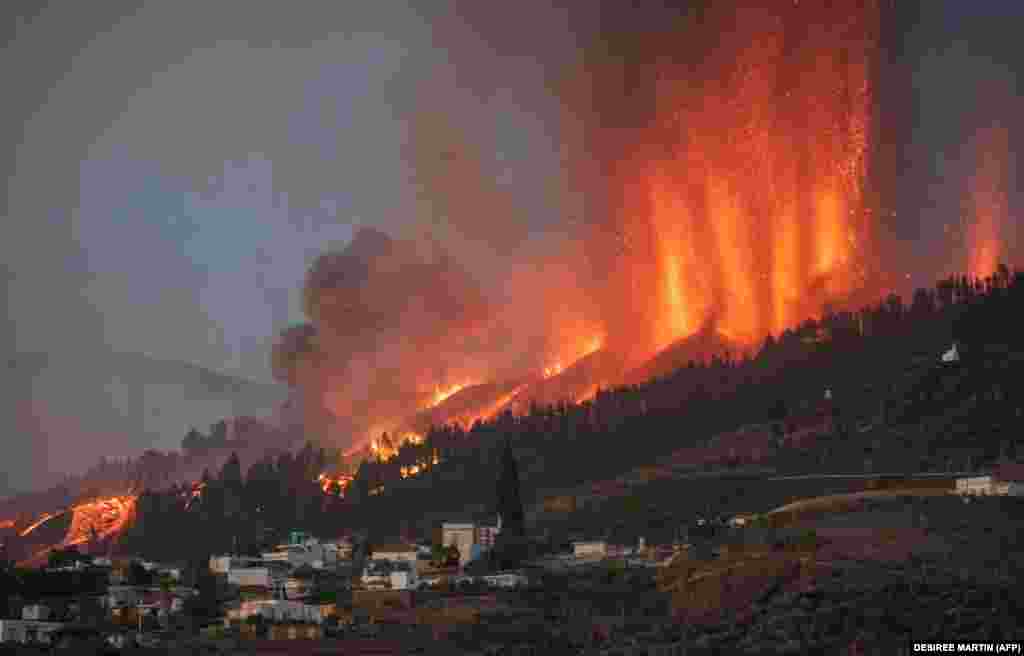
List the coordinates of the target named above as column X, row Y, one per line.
column 895, row 475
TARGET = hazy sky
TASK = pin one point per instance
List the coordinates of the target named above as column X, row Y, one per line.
column 173, row 167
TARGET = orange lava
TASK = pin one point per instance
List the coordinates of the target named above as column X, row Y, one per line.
column 988, row 201
column 7, row 523
column 39, row 522
column 328, row 482
column 743, row 205
column 100, row 519
column 491, row 411
column 575, row 349
column 440, row 394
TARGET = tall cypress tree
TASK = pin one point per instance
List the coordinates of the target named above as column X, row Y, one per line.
column 510, row 504
column 510, row 547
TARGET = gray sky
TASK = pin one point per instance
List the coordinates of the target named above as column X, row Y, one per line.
column 172, row 169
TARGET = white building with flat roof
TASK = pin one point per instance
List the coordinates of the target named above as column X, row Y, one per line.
column 590, row 549
column 395, row 552
column 23, row 631
column 276, row 610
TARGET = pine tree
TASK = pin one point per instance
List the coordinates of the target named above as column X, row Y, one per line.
column 510, row 547
column 510, row 504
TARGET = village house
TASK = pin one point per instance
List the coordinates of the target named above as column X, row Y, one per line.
column 396, row 553
column 590, row 549
column 35, row 625
column 1006, row 480
column 505, row 579
column 276, row 610
column 26, row 631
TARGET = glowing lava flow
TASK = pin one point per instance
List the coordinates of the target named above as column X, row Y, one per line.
column 7, row 523
column 91, row 521
column 495, row 408
column 100, row 519
column 441, row 394
column 39, row 522
column 330, row 482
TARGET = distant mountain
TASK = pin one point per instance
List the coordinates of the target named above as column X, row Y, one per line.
column 67, row 409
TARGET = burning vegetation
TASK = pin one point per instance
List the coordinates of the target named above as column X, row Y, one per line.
column 334, row 483
column 723, row 159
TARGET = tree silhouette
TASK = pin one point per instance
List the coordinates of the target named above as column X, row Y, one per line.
column 510, row 545
column 510, row 504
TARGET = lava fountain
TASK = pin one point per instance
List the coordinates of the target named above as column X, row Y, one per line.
column 738, row 195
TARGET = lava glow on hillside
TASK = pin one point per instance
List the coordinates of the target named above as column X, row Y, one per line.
column 723, row 162
column 92, row 522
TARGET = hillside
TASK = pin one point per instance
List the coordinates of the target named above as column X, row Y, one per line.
column 895, row 408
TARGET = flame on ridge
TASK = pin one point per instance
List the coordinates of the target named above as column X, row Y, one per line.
column 988, row 202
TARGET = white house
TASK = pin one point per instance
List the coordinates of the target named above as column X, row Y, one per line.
column 275, row 609
column 377, row 575
column 223, row 564
column 505, row 579
column 310, row 553
column 975, row 485
column 590, row 549
column 27, row 630
column 405, row 553
column 404, row 578
column 271, row 577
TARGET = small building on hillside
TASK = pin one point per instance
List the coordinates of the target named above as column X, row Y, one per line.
column 23, row 631
column 276, row 610
column 1006, row 480
column 590, row 549
column 505, row 579
column 396, row 553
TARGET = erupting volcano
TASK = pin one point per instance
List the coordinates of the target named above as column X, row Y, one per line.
column 723, row 159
